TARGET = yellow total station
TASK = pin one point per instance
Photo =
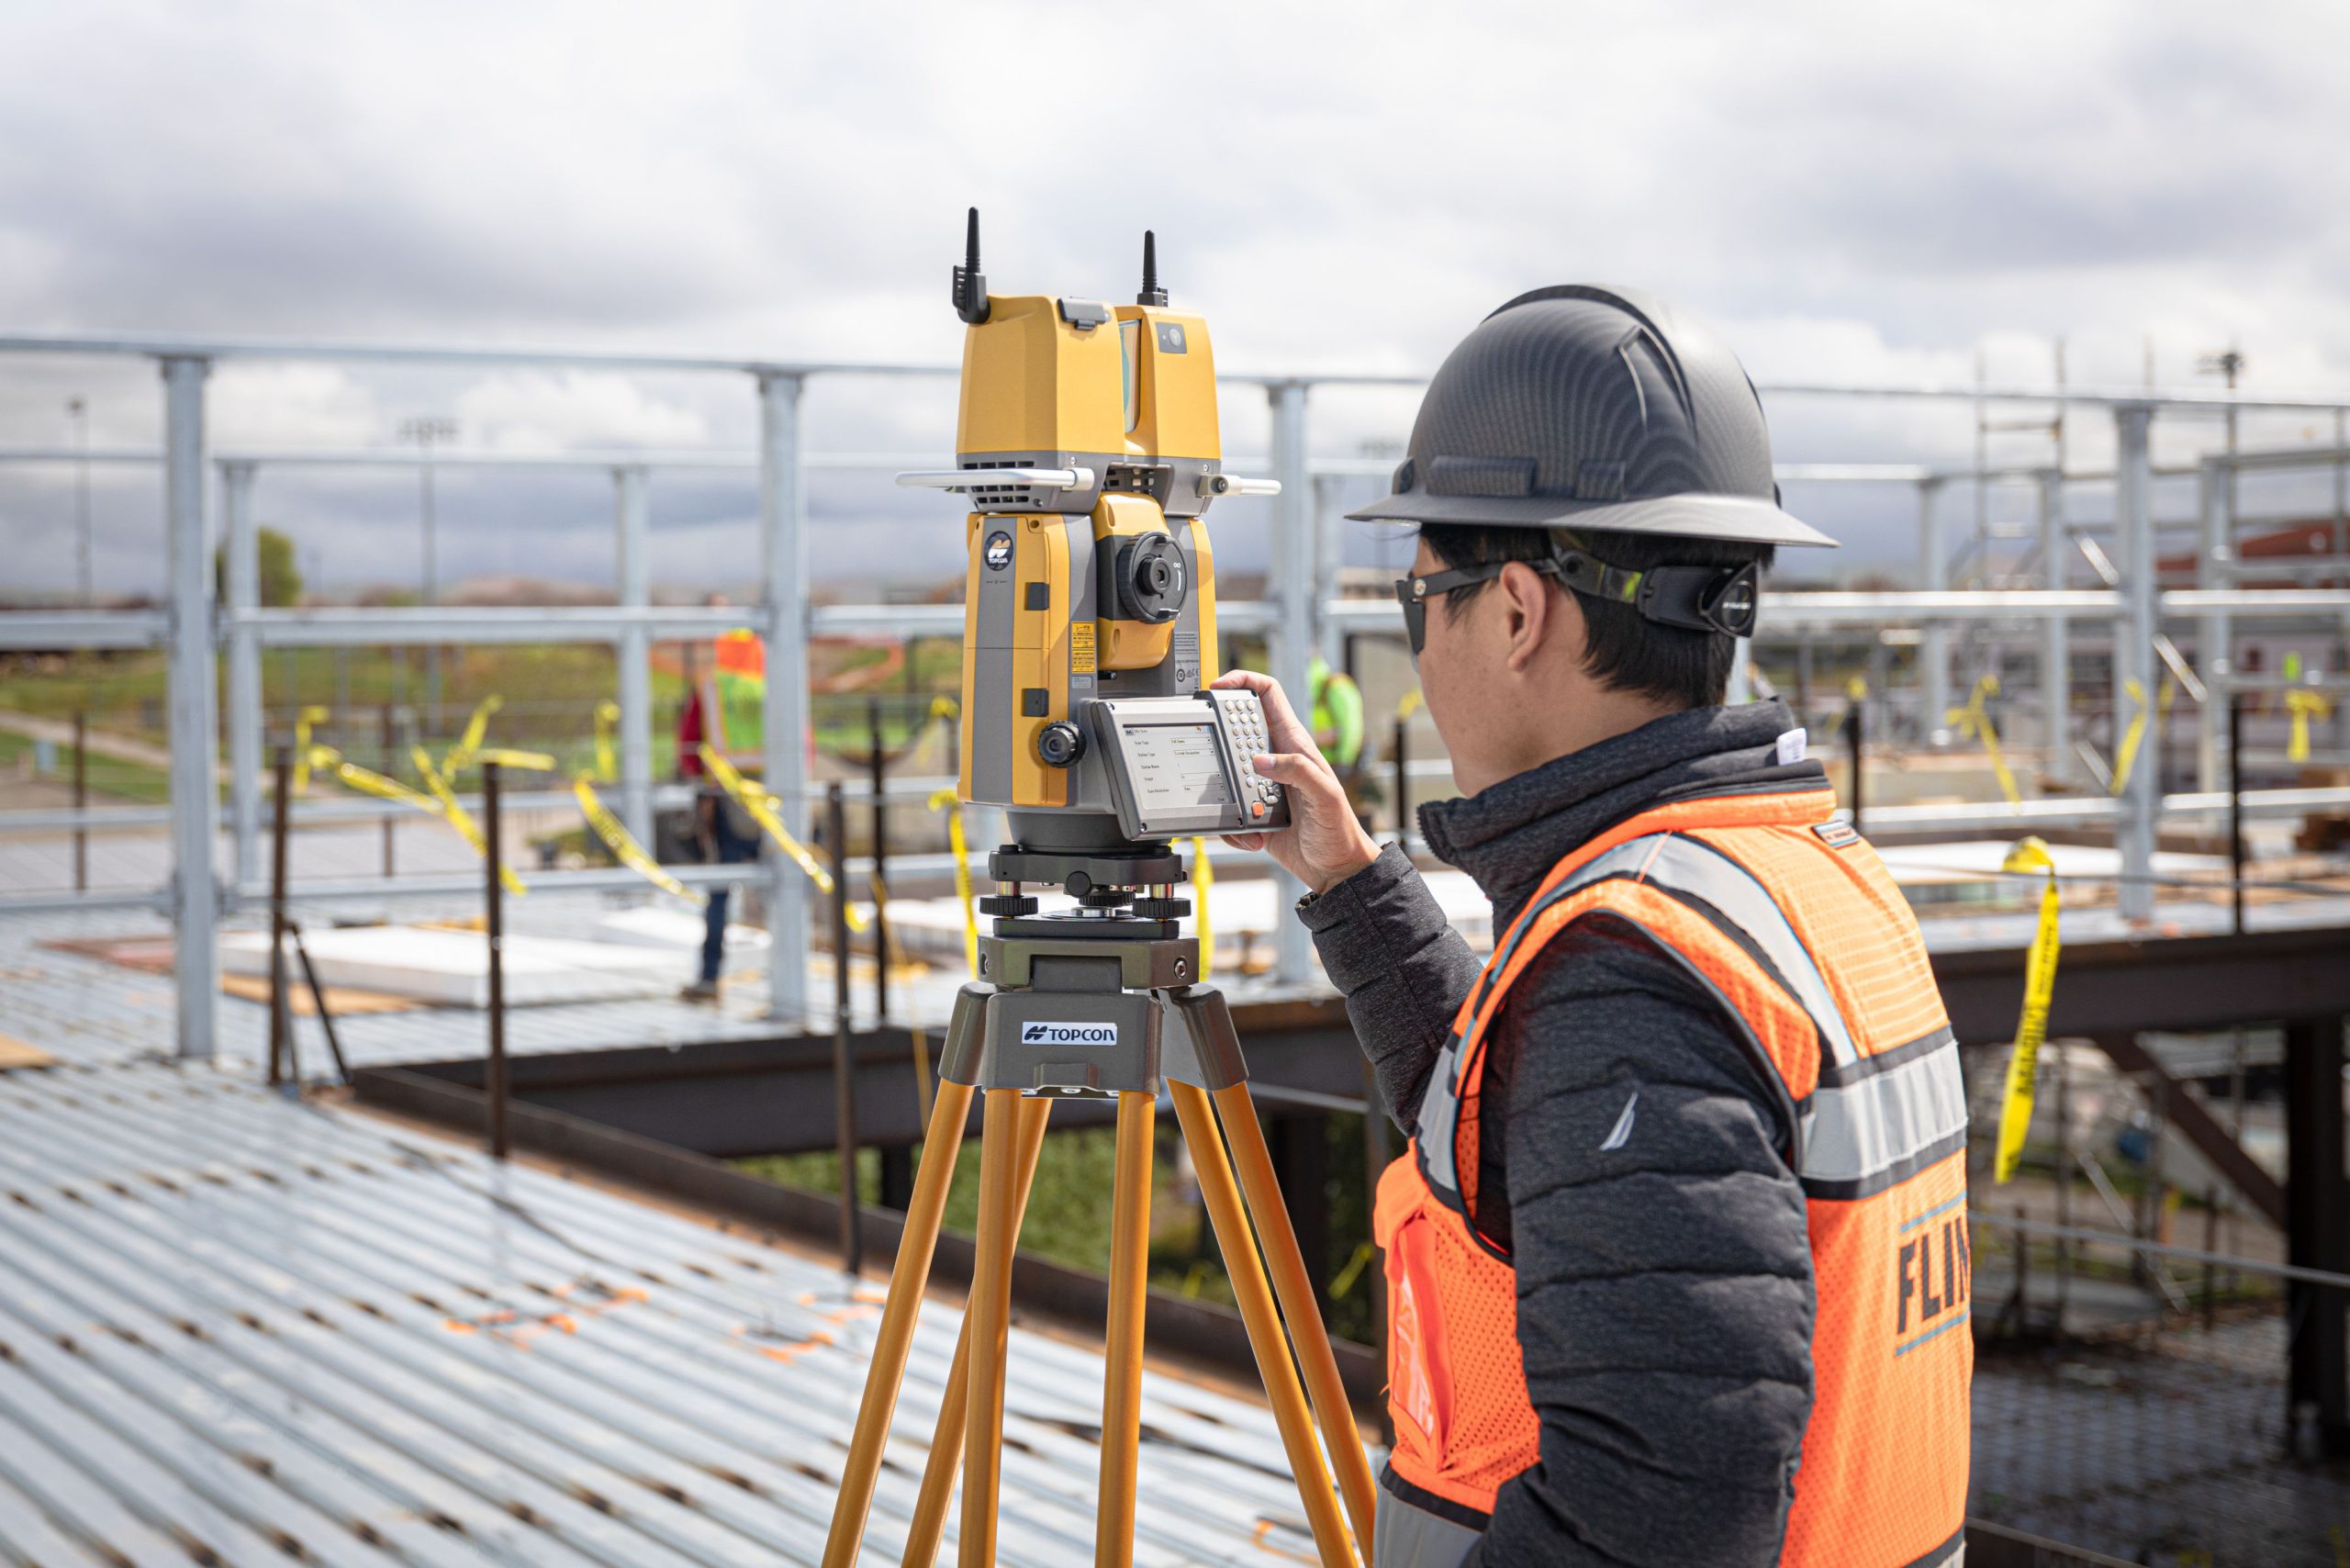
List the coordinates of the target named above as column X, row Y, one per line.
column 1087, row 442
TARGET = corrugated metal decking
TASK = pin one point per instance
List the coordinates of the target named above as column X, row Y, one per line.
column 235, row 1327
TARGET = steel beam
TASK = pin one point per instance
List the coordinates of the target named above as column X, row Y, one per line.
column 2179, row 983
column 2055, row 638
column 2196, row 1122
column 1294, row 632
column 783, row 544
column 194, row 732
column 1329, row 553
column 241, row 545
column 444, row 624
column 2317, row 1237
column 43, row 630
column 2214, row 650
column 633, row 504
column 738, row 1099
column 2133, row 662
column 1933, row 648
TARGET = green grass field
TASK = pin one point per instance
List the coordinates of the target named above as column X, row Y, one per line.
column 1068, row 1211
column 549, row 691
column 108, row 777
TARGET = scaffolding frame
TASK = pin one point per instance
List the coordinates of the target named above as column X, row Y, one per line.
column 196, row 628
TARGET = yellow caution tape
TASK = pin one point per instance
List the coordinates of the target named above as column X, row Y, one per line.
column 461, row 756
column 1974, row 721
column 622, row 843
column 1352, row 1272
column 462, row 820
column 2125, row 758
column 2303, row 706
column 2031, row 1028
column 1857, row 689
column 608, row 714
column 533, row 761
column 302, row 748
column 1202, row 878
column 1409, row 705
column 946, row 708
column 762, row 806
column 326, row 759
column 944, row 801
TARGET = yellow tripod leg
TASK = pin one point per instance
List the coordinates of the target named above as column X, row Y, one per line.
column 1238, row 1244
column 991, row 1324
column 929, row 1524
column 1253, row 1163
column 1113, row 1517
column 907, row 1277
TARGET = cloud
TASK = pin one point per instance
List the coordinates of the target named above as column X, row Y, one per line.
column 1849, row 190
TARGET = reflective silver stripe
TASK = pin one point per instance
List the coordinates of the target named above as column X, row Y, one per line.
column 1685, row 866
column 1866, row 1134
column 1858, row 1136
column 1951, row 1555
column 1624, row 857
column 1440, row 1118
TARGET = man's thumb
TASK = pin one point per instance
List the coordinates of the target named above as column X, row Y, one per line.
column 1281, row 766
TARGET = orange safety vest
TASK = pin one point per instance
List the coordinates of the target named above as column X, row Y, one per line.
column 734, row 699
column 1789, row 920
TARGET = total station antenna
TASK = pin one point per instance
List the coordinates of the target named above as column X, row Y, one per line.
column 1151, row 293
column 970, row 283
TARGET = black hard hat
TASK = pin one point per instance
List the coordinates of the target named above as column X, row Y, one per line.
column 1583, row 407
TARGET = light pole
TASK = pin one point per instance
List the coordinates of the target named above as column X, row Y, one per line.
column 78, row 410
column 425, row 433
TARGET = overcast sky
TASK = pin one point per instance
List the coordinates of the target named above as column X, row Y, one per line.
column 1852, row 193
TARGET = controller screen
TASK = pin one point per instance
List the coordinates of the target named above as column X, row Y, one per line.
column 1176, row 766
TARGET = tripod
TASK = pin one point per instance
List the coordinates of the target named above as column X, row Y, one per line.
column 1084, row 1016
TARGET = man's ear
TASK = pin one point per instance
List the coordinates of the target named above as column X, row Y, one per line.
column 1535, row 614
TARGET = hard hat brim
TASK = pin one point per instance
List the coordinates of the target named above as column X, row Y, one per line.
column 1744, row 520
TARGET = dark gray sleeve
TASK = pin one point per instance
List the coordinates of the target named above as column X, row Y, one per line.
column 1402, row 968
column 1664, row 1283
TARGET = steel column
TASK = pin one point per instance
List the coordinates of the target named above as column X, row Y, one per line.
column 1329, row 551
column 195, row 729
column 1293, row 633
column 242, row 545
column 2134, row 656
column 2056, row 640
column 783, row 535
column 2317, row 1233
column 632, row 488
column 2214, row 650
column 1934, row 646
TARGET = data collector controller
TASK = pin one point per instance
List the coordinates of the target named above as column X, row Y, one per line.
column 1182, row 764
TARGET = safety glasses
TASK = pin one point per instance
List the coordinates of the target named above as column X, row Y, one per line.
column 1696, row 598
column 1414, row 593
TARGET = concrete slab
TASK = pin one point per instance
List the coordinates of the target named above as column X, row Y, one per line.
column 673, row 927
column 451, row 967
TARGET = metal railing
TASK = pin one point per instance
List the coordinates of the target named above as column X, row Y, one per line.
column 1294, row 618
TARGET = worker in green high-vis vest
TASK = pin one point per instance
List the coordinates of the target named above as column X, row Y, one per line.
column 1338, row 713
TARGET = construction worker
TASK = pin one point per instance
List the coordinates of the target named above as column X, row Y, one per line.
column 1677, row 1263
column 1337, row 714
column 722, row 831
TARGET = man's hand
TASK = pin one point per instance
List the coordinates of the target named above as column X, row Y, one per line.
column 1323, row 843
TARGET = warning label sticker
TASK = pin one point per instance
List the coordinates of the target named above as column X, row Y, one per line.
column 1080, row 648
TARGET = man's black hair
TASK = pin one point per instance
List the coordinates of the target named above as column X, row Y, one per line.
column 1627, row 651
